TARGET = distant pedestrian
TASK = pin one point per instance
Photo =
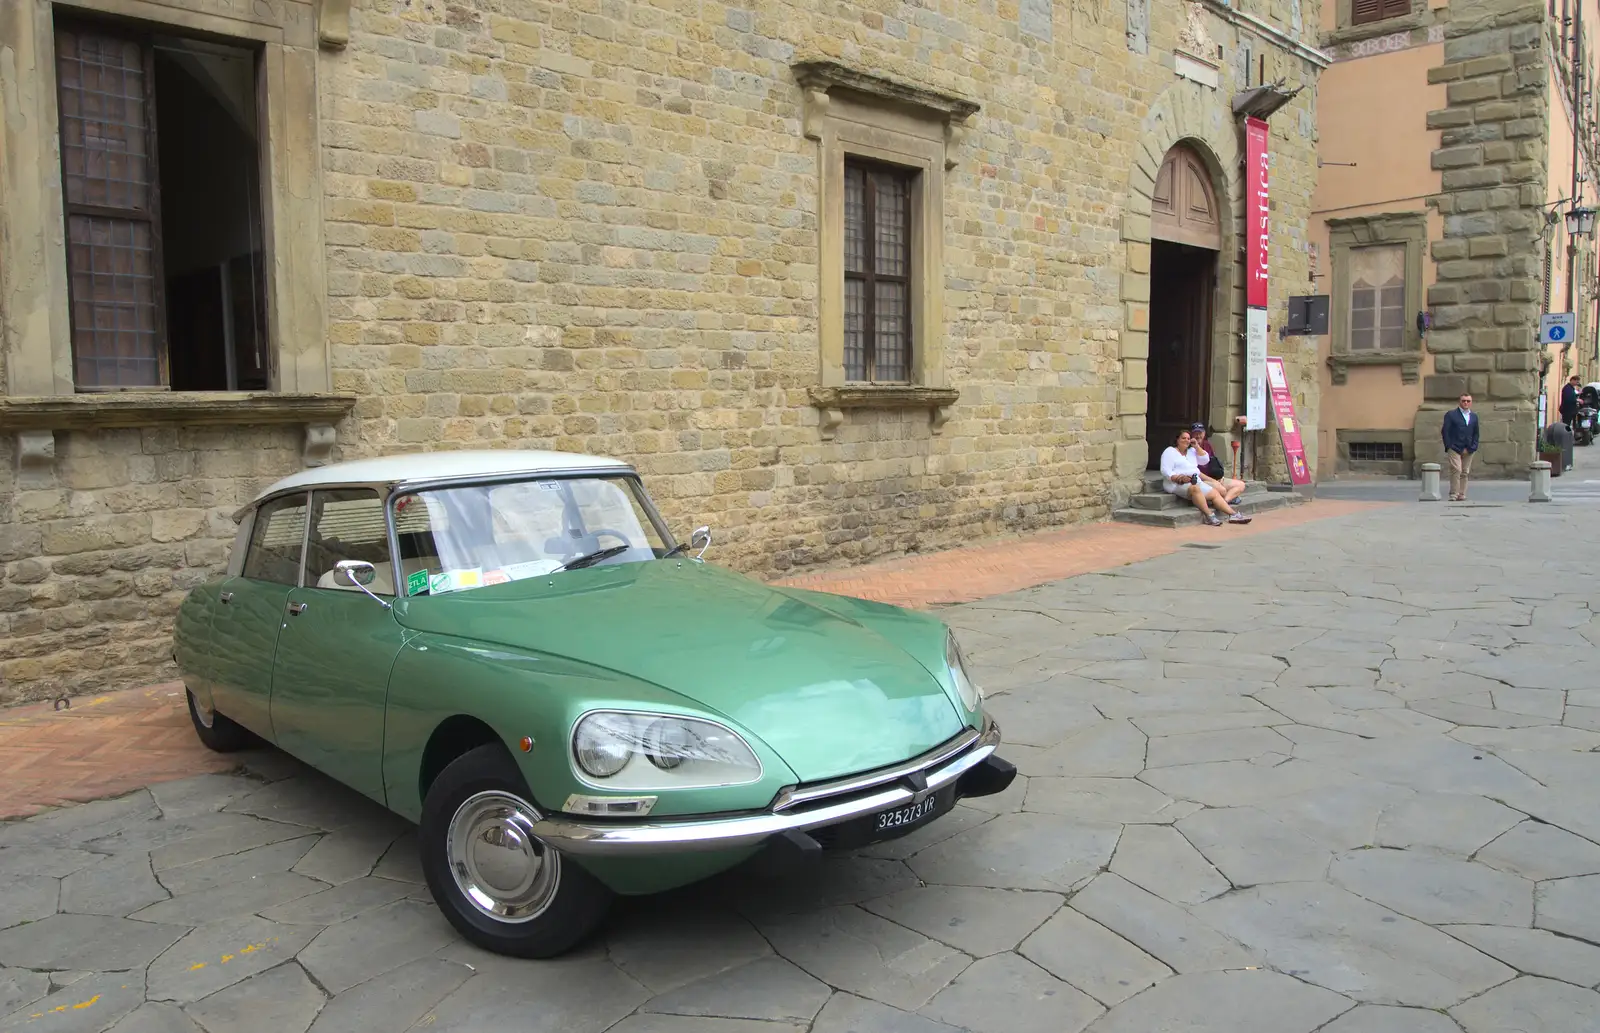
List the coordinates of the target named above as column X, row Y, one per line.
column 1460, row 434
column 1569, row 402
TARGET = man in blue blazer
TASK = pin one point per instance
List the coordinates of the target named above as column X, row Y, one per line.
column 1460, row 442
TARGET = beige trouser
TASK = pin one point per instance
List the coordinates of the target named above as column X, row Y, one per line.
column 1460, row 470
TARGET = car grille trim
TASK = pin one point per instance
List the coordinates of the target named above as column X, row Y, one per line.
column 802, row 796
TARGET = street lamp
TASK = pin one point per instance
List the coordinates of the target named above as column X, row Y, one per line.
column 1580, row 222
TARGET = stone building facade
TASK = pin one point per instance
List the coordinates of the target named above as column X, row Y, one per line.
column 1473, row 158
column 607, row 226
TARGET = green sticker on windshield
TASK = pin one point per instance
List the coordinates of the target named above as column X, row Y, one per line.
column 417, row 583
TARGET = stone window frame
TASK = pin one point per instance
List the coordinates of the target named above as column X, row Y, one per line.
column 1409, row 229
column 857, row 114
column 39, row 396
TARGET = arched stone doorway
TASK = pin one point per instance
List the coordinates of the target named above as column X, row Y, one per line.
column 1185, row 241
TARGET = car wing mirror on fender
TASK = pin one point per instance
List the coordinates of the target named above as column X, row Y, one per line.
column 359, row 574
column 701, row 539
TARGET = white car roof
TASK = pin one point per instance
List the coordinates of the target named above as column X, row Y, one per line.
column 429, row 466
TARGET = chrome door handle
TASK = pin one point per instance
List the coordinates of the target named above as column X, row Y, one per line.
column 296, row 609
column 226, row 597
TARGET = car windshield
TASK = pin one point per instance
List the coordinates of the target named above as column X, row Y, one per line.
column 453, row 539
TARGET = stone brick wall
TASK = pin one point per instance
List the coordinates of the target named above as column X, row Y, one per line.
column 96, row 557
column 595, row 228
column 1493, row 157
column 592, row 226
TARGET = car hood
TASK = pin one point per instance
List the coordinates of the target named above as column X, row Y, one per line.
column 828, row 693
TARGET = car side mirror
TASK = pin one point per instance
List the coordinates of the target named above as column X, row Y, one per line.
column 701, row 539
column 359, row 574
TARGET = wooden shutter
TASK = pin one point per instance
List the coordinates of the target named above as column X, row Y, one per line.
column 1365, row 11
column 108, row 171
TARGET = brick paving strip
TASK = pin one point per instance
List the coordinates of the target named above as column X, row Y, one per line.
column 117, row 742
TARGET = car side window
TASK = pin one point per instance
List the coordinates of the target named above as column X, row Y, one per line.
column 348, row 524
column 276, row 539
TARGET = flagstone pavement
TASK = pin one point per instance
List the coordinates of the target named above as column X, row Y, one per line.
column 1334, row 775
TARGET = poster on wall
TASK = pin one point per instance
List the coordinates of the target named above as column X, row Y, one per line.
column 1258, row 223
column 1255, row 369
column 1294, row 450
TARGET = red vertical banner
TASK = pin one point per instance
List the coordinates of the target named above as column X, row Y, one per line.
column 1294, row 450
column 1257, row 217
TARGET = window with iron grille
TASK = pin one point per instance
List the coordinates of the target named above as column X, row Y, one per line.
column 1377, row 452
column 161, row 182
column 877, row 272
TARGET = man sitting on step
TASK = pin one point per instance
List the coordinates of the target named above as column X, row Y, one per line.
column 1210, row 465
column 1181, row 477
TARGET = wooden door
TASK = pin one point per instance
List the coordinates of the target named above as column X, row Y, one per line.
column 1182, row 282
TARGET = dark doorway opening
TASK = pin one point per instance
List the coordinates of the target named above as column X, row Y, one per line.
column 1182, row 287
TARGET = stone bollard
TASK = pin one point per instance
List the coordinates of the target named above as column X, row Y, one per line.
column 1430, row 482
column 1539, row 482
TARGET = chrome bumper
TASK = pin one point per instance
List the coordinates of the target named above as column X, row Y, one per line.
column 794, row 811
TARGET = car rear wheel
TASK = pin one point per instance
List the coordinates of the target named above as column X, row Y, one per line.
column 215, row 731
column 501, row 886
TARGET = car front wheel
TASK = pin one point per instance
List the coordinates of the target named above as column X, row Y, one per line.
column 501, row 886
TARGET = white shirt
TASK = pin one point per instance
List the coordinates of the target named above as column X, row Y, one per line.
column 1466, row 415
column 1176, row 464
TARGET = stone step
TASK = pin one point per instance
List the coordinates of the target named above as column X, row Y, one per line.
column 1182, row 514
column 1153, row 497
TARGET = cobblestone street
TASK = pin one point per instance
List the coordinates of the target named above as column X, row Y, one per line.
column 1333, row 776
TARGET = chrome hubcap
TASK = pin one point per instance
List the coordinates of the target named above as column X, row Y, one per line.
column 499, row 865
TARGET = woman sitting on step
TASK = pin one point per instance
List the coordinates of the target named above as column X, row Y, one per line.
column 1182, row 477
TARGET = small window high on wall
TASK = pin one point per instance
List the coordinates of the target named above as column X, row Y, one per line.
column 160, row 166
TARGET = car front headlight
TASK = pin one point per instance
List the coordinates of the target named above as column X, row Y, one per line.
column 971, row 695
column 622, row 750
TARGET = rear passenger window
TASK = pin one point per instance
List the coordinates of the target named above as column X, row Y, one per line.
column 276, row 540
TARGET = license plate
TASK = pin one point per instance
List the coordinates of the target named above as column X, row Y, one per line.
column 910, row 814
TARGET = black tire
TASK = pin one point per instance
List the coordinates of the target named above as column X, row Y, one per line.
column 221, row 735
column 569, row 907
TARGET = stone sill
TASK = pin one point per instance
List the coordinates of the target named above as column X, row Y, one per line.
column 1410, row 363
column 833, row 401
column 35, row 419
column 124, row 409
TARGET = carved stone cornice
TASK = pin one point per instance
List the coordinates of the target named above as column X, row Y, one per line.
column 817, row 78
column 820, row 76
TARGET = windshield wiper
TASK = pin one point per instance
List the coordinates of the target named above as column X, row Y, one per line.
column 680, row 547
column 593, row 558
